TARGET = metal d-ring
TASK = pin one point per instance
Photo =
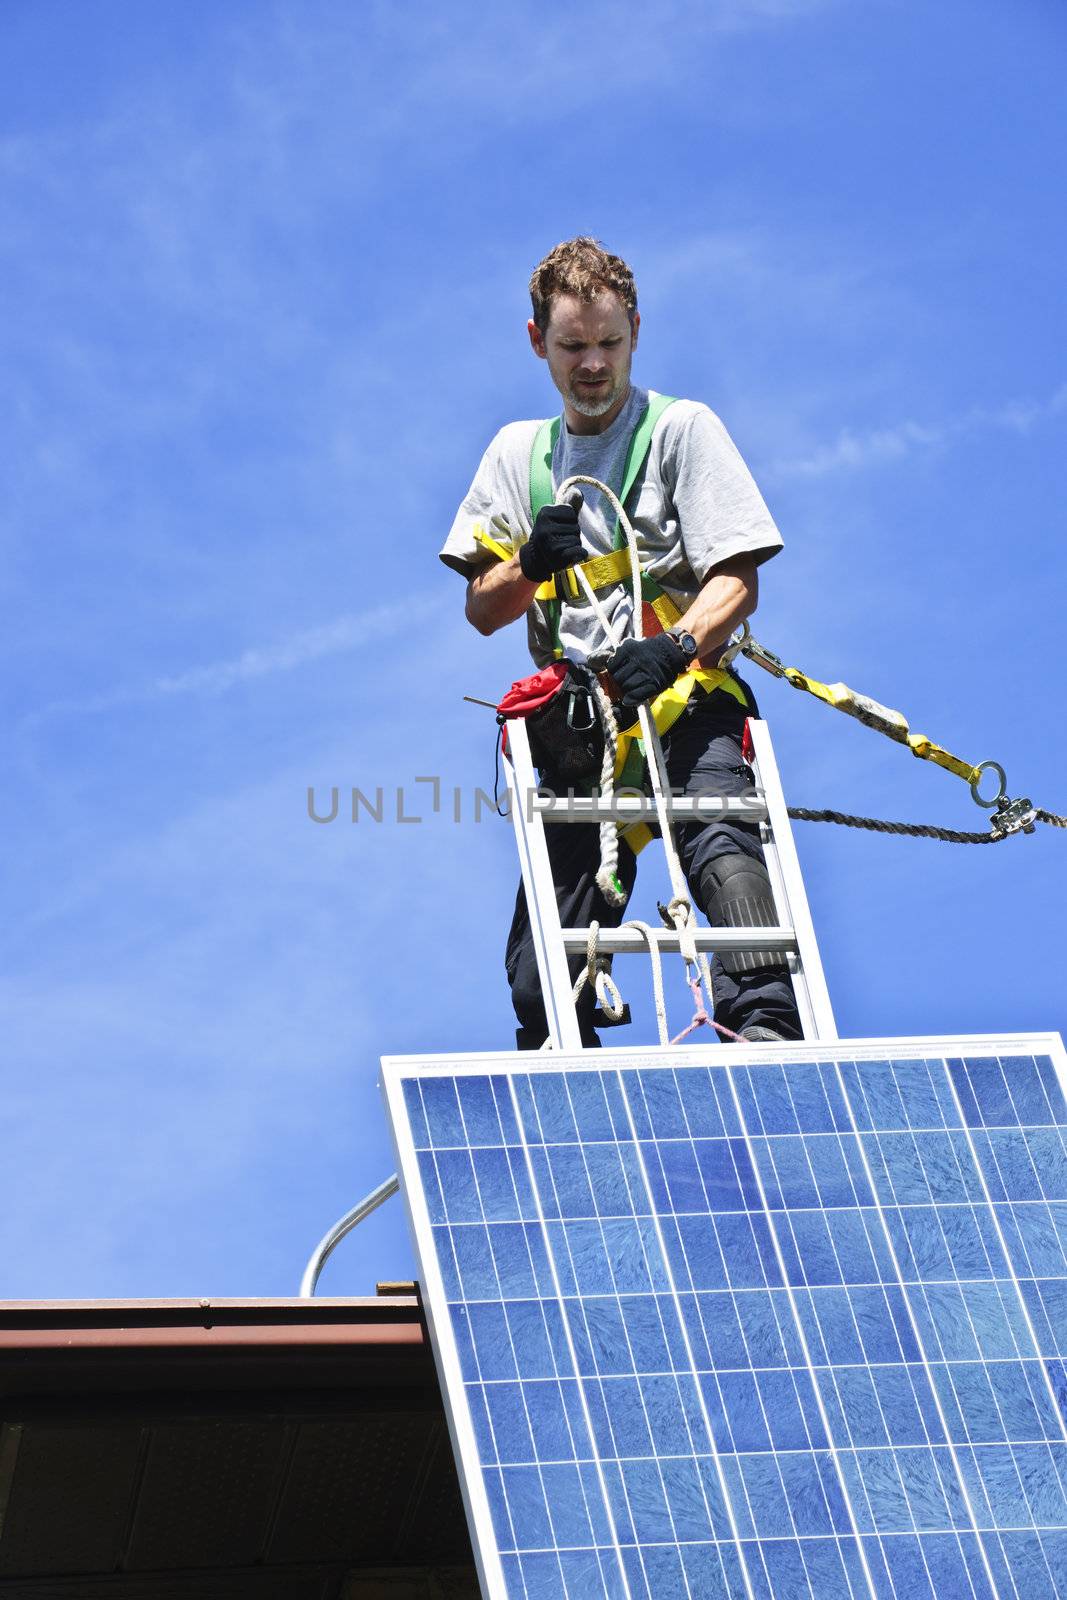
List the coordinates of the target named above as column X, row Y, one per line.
column 976, row 778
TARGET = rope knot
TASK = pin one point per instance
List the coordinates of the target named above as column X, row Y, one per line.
column 679, row 911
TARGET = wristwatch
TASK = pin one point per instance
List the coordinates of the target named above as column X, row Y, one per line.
column 685, row 642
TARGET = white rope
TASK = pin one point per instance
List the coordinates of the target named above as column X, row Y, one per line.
column 597, row 973
column 607, row 878
column 563, row 494
column 656, row 959
column 680, row 908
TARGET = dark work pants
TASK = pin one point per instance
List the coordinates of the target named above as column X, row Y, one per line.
column 703, row 756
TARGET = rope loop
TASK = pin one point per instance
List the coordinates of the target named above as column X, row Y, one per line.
column 597, row 974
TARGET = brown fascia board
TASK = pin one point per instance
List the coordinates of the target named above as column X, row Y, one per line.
column 216, row 1323
column 195, row 1347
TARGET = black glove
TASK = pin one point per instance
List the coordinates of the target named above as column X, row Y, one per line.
column 553, row 545
column 643, row 668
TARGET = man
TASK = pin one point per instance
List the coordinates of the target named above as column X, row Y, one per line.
column 702, row 531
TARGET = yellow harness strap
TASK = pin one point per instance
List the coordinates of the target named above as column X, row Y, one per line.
column 892, row 723
column 666, row 708
column 502, row 552
column 600, row 571
column 872, row 714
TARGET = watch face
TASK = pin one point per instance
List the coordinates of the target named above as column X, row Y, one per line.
column 687, row 642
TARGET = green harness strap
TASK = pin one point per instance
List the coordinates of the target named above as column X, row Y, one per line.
column 637, row 454
column 544, row 448
column 542, row 492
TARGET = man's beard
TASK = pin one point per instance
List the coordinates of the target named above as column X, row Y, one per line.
column 590, row 406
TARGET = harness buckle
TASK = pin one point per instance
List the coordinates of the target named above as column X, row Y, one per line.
column 764, row 658
column 570, row 578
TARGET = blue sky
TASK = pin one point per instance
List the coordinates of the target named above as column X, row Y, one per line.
column 264, row 274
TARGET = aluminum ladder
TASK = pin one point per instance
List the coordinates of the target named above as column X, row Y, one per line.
column 793, row 935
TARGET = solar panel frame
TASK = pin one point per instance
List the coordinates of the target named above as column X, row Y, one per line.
column 895, row 1165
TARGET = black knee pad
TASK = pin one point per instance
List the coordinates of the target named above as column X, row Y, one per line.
column 736, row 893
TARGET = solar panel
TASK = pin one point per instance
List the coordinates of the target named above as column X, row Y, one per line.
column 738, row 1323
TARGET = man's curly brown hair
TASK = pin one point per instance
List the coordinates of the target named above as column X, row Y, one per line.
column 584, row 268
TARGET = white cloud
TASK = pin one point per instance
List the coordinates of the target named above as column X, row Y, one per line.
column 857, row 450
column 343, row 634
column 352, row 631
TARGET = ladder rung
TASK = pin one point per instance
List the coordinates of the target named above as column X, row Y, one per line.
column 628, row 941
column 642, row 808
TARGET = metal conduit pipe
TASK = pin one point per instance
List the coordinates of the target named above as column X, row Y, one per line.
column 329, row 1242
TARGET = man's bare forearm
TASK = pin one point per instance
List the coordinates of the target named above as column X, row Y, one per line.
column 728, row 596
column 499, row 595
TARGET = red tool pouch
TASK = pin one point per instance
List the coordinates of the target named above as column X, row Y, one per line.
column 566, row 737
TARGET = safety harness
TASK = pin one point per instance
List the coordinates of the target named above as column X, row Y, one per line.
column 658, row 610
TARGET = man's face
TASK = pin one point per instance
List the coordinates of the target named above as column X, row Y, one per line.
column 588, row 347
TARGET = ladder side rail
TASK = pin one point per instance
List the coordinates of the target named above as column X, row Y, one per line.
column 543, row 911
column 812, row 1019
column 787, row 885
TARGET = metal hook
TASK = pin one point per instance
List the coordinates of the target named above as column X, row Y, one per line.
column 734, row 644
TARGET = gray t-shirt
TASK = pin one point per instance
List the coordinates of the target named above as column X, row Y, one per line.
column 694, row 506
